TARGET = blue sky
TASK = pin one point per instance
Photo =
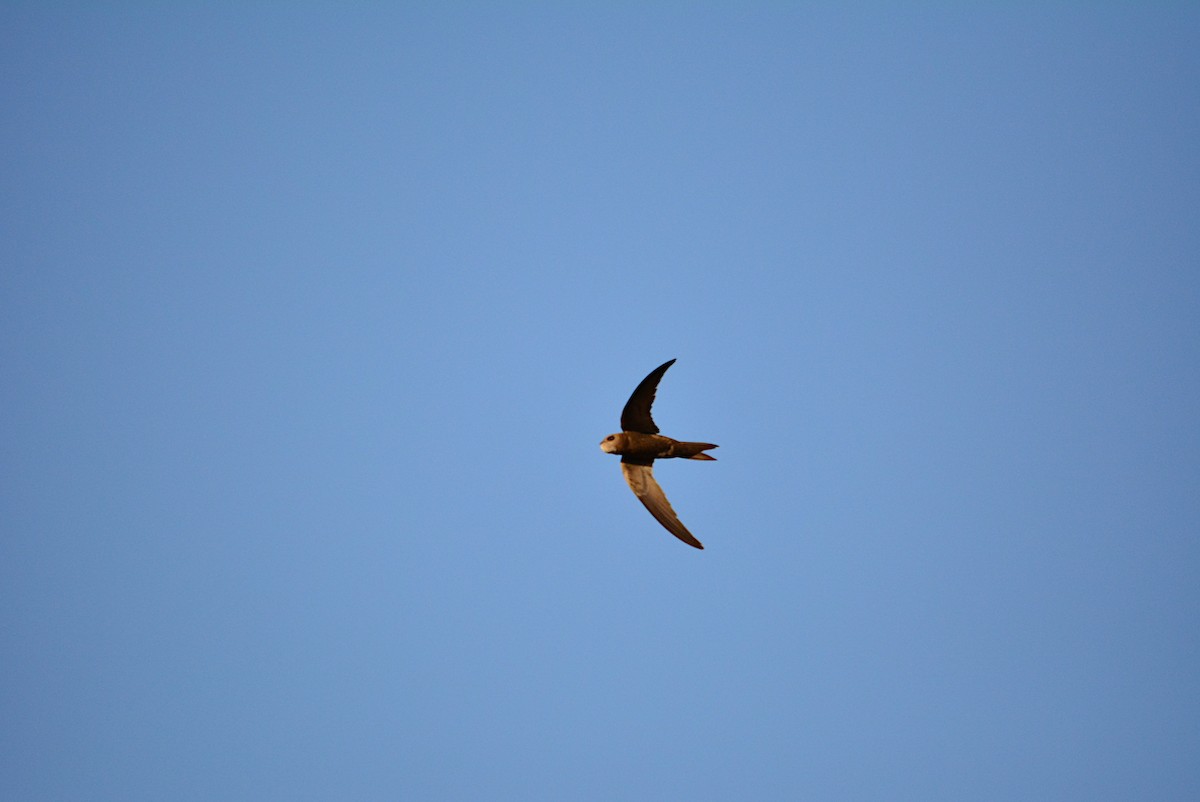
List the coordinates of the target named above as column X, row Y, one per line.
column 314, row 316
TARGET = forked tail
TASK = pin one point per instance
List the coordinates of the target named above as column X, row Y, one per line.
column 692, row 450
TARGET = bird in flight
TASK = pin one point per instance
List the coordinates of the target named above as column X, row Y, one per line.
column 639, row 444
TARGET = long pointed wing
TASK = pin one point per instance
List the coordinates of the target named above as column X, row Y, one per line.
column 636, row 415
column 641, row 481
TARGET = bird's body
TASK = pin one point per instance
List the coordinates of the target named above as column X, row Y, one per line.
column 639, row 444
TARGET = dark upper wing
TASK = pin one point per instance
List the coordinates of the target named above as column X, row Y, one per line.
column 636, row 415
column 641, row 481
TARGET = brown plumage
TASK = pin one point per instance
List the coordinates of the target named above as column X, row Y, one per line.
column 639, row 444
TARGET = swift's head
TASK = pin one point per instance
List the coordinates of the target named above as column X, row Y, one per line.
column 613, row 443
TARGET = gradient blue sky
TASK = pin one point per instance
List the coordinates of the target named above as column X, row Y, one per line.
column 313, row 317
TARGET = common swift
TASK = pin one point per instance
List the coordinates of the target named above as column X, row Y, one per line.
column 639, row 444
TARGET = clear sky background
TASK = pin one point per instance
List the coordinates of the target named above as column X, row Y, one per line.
column 313, row 318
